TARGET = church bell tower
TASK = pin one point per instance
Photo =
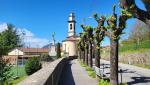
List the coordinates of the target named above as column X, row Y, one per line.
column 71, row 25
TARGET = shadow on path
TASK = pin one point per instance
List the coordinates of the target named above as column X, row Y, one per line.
column 67, row 76
column 137, row 80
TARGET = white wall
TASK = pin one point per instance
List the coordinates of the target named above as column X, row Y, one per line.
column 15, row 52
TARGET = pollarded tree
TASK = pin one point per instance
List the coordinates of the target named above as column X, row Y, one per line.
column 82, row 48
column 79, row 49
column 130, row 6
column 89, row 40
column 114, row 34
column 99, row 36
column 143, row 15
column 114, row 30
column 85, row 39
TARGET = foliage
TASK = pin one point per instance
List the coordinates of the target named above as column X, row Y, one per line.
column 46, row 57
column 32, row 65
column 9, row 39
column 5, row 71
column 21, row 73
column 58, row 50
column 103, row 82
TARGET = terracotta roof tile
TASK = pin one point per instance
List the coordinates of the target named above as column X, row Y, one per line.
column 34, row 49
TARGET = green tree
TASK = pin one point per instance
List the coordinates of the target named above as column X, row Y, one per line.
column 9, row 39
column 58, row 50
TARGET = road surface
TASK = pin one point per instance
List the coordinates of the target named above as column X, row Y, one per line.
column 74, row 74
column 131, row 75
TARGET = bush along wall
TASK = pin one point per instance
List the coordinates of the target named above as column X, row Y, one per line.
column 33, row 64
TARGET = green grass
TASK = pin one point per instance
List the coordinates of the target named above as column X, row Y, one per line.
column 134, row 46
column 21, row 73
column 143, row 66
column 16, row 81
column 104, row 82
column 89, row 70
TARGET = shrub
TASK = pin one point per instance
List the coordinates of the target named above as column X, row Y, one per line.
column 104, row 82
column 58, row 50
column 32, row 65
column 5, row 72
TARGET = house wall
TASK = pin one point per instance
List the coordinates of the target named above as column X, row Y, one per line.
column 11, row 59
column 70, row 47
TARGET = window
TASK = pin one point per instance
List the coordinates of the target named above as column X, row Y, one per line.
column 70, row 26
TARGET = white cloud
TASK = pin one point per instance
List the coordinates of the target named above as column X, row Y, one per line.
column 3, row 27
column 28, row 38
column 31, row 40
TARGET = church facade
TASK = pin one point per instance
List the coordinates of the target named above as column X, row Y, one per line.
column 69, row 45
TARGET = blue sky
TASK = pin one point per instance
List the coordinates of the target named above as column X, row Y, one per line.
column 40, row 18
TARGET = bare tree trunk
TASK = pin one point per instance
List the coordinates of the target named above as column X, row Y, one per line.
column 86, row 56
column 97, row 57
column 90, row 55
column 83, row 56
column 80, row 54
column 114, row 62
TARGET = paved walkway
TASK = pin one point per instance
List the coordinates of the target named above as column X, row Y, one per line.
column 132, row 75
column 74, row 74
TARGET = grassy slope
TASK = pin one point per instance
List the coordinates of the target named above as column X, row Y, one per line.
column 21, row 73
column 132, row 48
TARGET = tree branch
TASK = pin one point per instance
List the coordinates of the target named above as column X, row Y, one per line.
column 138, row 13
column 108, row 34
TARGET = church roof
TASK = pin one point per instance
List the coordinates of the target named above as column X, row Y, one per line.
column 71, row 38
column 42, row 50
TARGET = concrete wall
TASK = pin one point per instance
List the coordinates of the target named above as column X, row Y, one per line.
column 48, row 75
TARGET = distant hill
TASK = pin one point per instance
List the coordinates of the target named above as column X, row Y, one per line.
column 46, row 46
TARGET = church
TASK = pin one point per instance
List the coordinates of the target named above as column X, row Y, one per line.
column 69, row 45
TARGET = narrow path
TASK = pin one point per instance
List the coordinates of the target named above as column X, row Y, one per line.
column 74, row 74
column 132, row 75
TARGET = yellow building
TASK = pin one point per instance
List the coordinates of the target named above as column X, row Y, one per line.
column 22, row 54
column 69, row 45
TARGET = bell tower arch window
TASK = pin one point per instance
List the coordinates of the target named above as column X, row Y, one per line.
column 70, row 26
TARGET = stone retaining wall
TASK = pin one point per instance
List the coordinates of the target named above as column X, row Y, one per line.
column 48, row 75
